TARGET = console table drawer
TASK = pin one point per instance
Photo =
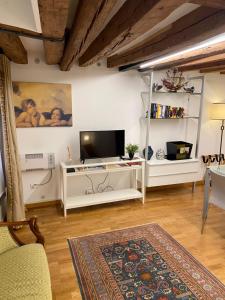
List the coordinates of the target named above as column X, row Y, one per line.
column 173, row 168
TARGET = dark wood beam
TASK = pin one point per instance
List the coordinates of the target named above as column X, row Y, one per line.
column 213, row 69
column 87, row 13
column 193, row 56
column 90, row 20
column 222, row 73
column 135, row 18
column 210, row 3
column 197, row 26
column 53, row 15
column 203, row 65
column 27, row 33
column 103, row 16
column 13, row 48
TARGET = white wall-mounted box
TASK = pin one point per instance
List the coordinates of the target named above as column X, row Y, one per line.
column 37, row 161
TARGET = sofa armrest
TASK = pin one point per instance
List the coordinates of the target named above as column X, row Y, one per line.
column 32, row 222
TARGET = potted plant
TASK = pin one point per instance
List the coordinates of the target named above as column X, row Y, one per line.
column 131, row 149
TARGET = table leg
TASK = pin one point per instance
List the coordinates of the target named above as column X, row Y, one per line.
column 206, row 199
column 64, row 191
column 143, row 182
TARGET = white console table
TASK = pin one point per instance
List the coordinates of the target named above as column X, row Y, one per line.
column 69, row 170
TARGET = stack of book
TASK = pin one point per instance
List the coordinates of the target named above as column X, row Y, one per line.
column 159, row 111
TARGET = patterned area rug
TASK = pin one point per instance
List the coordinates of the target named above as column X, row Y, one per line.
column 140, row 263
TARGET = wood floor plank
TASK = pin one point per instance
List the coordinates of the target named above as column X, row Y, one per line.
column 176, row 209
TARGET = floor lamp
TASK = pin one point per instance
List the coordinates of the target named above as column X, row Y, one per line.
column 218, row 113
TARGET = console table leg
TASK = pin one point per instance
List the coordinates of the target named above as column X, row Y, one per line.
column 193, row 187
column 143, row 182
column 65, row 212
column 64, row 191
column 135, row 179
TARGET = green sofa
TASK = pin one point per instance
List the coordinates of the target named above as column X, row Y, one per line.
column 24, row 272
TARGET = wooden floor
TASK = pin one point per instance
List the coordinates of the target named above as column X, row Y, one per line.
column 175, row 209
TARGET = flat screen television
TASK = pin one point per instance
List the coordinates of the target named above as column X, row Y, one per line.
column 101, row 144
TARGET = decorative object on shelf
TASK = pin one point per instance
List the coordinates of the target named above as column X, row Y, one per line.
column 178, row 150
column 156, row 87
column 174, row 80
column 189, row 90
column 218, row 113
column 150, row 152
column 160, row 154
column 159, row 111
column 69, row 156
column 212, row 158
column 131, row 150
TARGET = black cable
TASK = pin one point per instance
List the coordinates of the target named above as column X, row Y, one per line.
column 108, row 187
column 102, row 182
column 92, row 185
column 44, row 183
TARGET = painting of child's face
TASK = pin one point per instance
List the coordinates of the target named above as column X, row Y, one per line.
column 39, row 104
column 56, row 115
column 30, row 108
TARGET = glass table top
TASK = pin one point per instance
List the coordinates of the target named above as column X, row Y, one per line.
column 220, row 170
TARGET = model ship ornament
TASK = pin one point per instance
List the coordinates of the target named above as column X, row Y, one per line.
column 189, row 90
column 156, row 87
column 174, row 80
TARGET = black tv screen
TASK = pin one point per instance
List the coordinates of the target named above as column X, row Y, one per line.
column 100, row 144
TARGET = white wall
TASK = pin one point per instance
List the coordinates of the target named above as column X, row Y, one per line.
column 102, row 100
column 210, row 133
column 105, row 99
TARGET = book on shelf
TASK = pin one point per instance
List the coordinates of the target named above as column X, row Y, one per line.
column 134, row 163
column 114, row 166
column 159, row 111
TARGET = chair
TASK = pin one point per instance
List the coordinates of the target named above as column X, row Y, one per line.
column 214, row 191
column 24, row 272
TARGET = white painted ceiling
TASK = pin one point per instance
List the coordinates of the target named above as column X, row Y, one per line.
column 20, row 13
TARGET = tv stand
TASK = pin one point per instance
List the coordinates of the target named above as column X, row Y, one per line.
column 117, row 166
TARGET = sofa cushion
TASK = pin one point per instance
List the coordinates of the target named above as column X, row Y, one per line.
column 24, row 274
column 6, row 241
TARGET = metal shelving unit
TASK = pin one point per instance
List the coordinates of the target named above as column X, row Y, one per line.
column 174, row 165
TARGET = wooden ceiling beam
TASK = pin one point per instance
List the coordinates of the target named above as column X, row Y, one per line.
column 53, row 15
column 213, row 69
column 13, row 48
column 106, row 11
column 134, row 18
column 89, row 15
column 210, row 3
column 204, row 65
column 192, row 57
column 27, row 33
column 223, row 72
column 196, row 27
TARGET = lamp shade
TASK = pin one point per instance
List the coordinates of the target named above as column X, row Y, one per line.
column 218, row 111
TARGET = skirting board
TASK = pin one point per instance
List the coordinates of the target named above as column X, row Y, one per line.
column 43, row 204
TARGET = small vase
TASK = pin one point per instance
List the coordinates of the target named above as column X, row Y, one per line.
column 131, row 155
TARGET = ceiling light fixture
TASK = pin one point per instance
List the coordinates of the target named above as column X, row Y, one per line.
column 215, row 40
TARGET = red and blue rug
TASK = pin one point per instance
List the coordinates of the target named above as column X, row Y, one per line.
column 140, row 263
